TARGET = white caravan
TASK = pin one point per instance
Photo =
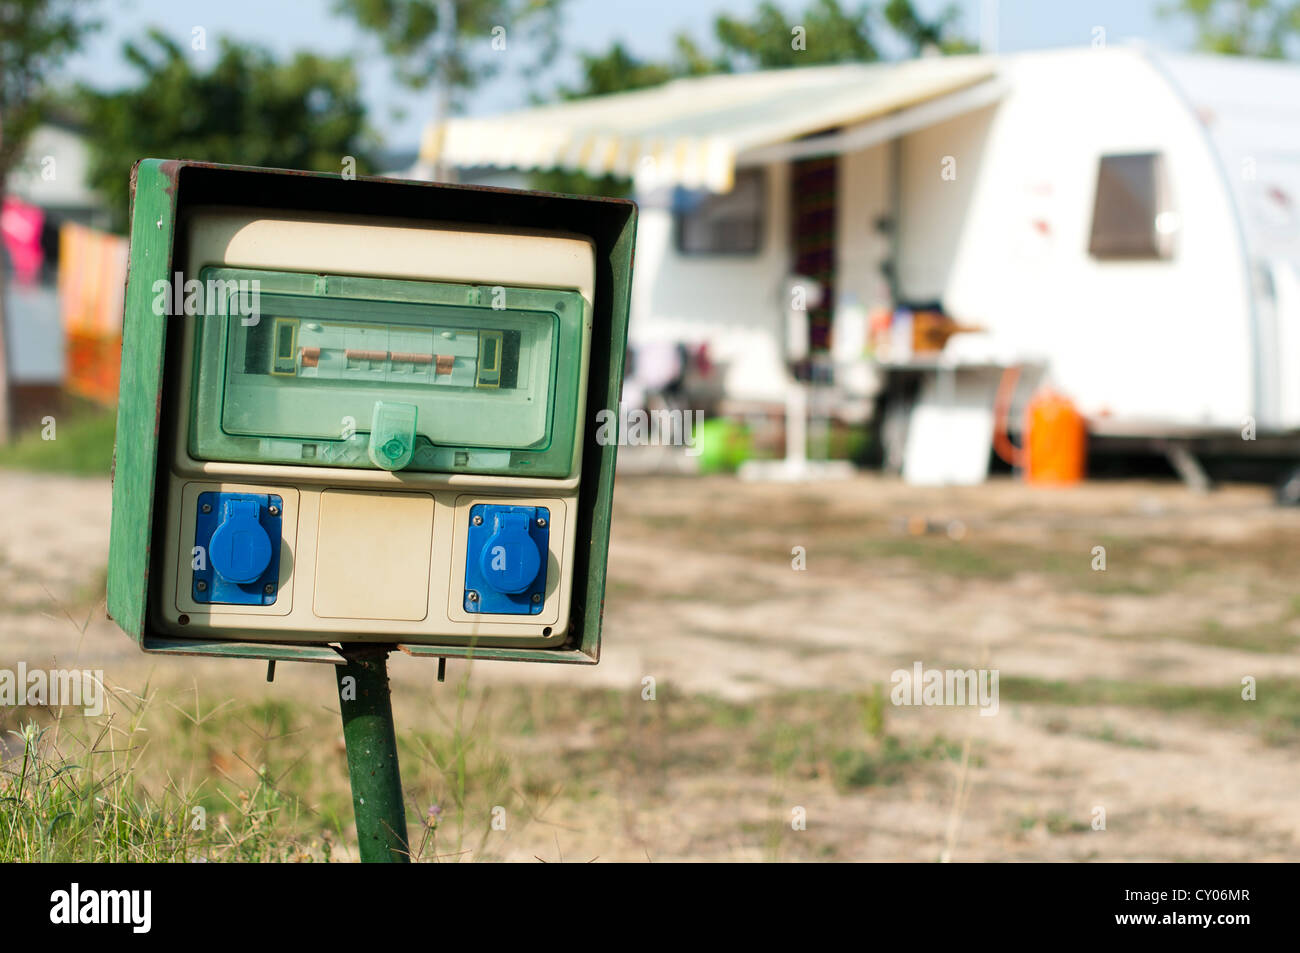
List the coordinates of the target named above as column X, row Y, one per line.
column 1126, row 220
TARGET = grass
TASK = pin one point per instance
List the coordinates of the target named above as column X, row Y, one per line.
column 178, row 777
column 81, row 444
column 1265, row 639
column 183, row 779
column 1054, row 822
column 1105, row 732
column 1112, row 735
column 77, row 789
column 1275, row 710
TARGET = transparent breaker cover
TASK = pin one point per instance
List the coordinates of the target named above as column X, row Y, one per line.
column 363, row 372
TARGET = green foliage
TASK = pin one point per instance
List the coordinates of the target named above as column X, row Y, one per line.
column 36, row 36
column 825, row 32
column 248, row 109
column 1265, row 28
column 579, row 183
column 408, row 32
column 923, row 35
column 617, row 71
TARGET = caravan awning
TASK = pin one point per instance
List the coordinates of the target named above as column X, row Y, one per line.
column 692, row 132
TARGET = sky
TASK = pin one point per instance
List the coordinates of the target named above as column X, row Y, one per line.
column 646, row 27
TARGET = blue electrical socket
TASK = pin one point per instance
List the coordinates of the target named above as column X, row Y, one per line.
column 506, row 559
column 240, row 537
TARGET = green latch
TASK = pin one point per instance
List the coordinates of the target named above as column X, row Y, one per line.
column 392, row 434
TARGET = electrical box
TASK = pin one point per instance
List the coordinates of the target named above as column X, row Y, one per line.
column 365, row 411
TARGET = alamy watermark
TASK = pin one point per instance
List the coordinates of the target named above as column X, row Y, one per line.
column 953, row 687
column 133, row 908
column 55, row 688
column 650, row 428
column 216, row 296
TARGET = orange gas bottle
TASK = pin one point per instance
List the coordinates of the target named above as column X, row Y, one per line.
column 1056, row 440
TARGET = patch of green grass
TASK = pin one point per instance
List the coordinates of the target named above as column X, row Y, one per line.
column 1054, row 822
column 74, row 790
column 886, row 762
column 82, row 444
column 1268, row 639
column 1275, row 710
column 1265, row 639
column 1112, row 735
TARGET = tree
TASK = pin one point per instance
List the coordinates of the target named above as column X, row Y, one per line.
column 36, row 36
column 249, row 109
column 425, row 39
column 926, row 35
column 617, row 71
column 823, row 33
column 1241, row 27
column 829, row 33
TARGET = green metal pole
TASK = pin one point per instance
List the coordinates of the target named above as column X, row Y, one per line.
column 372, row 755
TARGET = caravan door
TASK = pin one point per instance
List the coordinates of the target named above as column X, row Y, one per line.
column 1278, row 314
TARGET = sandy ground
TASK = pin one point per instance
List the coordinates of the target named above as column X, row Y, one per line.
column 1198, row 592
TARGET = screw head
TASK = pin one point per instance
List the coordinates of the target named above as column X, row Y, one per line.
column 273, row 510
column 477, row 521
column 201, row 586
column 471, row 595
column 537, row 597
column 207, row 507
column 541, row 521
column 270, row 588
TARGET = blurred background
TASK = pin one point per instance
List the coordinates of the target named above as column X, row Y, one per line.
column 964, row 333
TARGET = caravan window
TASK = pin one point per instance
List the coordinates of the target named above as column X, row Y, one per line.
column 1130, row 218
column 726, row 224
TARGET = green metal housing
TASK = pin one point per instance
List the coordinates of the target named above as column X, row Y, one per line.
column 152, row 354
